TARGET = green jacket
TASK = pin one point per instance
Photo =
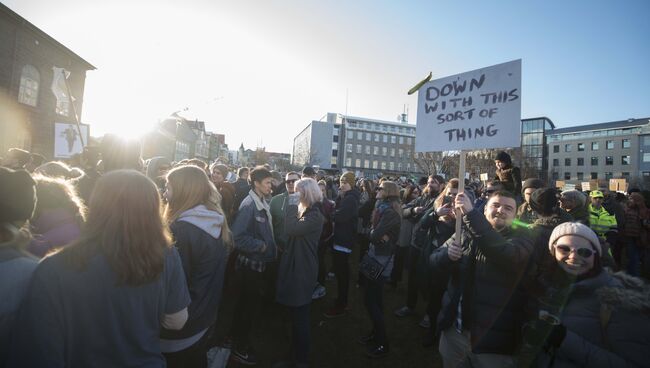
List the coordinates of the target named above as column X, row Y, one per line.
column 277, row 205
column 601, row 221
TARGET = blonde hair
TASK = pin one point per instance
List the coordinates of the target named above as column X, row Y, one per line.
column 190, row 188
column 310, row 193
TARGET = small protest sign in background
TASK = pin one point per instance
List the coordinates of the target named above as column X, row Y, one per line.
column 66, row 139
column 472, row 110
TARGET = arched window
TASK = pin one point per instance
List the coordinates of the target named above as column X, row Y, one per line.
column 30, row 79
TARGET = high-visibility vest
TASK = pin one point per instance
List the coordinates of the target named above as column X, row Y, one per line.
column 601, row 221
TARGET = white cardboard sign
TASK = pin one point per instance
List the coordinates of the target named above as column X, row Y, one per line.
column 472, row 110
column 66, row 139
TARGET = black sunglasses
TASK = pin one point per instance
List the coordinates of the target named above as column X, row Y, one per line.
column 582, row 252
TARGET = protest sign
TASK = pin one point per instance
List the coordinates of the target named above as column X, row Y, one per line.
column 586, row 185
column 473, row 110
column 484, row 177
column 617, row 185
column 559, row 184
column 66, row 139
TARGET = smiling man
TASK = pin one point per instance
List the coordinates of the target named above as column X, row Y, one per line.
column 482, row 310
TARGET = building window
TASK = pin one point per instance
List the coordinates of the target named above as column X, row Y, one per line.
column 392, row 152
column 366, row 164
column 333, row 161
column 609, row 160
column 594, row 161
column 567, row 148
column 348, row 147
column 594, row 146
column 556, row 148
column 359, row 136
column 626, row 143
column 335, row 146
column 408, row 141
column 383, row 165
column 367, row 150
column 335, row 138
column 625, row 174
column 392, row 165
column 567, row 176
column 401, row 140
column 567, row 162
column 581, row 161
column 556, row 162
column 348, row 161
column 646, row 157
column 30, row 79
column 376, row 137
column 357, row 162
column 335, row 153
column 625, row 160
column 393, row 139
column 384, row 151
column 368, row 137
column 581, row 147
column 609, row 145
column 385, row 138
column 594, row 175
column 375, row 150
column 399, row 166
column 359, row 148
column 608, row 175
column 401, row 153
column 556, row 175
column 581, row 176
column 375, row 164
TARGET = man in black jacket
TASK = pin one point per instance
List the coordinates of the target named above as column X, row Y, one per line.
column 482, row 312
column 242, row 187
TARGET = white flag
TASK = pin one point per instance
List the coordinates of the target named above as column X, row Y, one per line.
column 60, row 90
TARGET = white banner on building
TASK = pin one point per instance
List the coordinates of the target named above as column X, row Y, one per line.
column 66, row 139
column 472, row 110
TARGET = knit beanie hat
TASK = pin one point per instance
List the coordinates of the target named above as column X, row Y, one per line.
column 348, row 177
column 17, row 199
column 544, row 201
column 532, row 183
column 504, row 157
column 575, row 229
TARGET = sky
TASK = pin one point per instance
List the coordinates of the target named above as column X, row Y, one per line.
column 261, row 71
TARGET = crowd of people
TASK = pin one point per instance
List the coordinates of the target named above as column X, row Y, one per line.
column 111, row 260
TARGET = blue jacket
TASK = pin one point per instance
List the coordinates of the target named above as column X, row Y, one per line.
column 251, row 230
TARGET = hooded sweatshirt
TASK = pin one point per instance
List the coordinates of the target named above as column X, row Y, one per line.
column 197, row 233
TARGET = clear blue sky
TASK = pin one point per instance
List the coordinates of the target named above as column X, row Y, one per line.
column 260, row 71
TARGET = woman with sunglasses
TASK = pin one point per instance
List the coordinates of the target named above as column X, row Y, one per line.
column 590, row 318
column 384, row 234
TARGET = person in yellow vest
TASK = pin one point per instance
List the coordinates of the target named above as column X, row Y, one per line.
column 600, row 221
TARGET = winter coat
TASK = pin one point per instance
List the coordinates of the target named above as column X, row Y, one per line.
column 487, row 276
column 327, row 209
column 53, row 229
column 621, row 339
column 511, row 179
column 420, row 236
column 298, row 268
column 197, row 233
column 252, row 230
column 345, row 219
column 386, row 222
column 16, row 268
column 278, row 204
column 241, row 191
column 526, row 214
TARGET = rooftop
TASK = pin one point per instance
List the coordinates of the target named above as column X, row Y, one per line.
column 629, row 123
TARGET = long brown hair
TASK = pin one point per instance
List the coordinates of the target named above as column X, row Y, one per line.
column 192, row 187
column 440, row 199
column 126, row 226
column 391, row 193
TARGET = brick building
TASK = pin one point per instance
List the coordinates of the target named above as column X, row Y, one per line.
column 28, row 107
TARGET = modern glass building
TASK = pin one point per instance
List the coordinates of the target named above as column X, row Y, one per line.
column 534, row 151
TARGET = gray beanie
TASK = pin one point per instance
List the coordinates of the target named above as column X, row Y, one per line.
column 575, row 229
